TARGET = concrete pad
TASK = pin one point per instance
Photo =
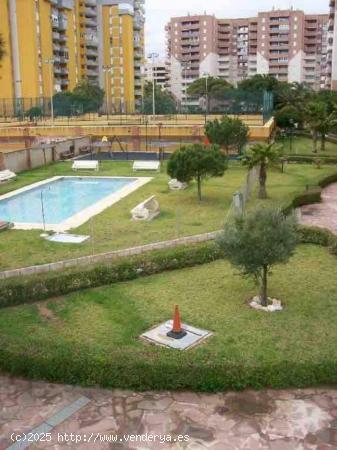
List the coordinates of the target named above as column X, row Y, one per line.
column 158, row 336
column 65, row 238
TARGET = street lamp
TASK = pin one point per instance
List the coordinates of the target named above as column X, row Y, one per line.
column 206, row 75
column 51, row 62
column 153, row 57
column 107, row 69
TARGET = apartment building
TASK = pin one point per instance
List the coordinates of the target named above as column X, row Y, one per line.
column 288, row 44
column 51, row 45
column 331, row 65
column 292, row 46
column 157, row 71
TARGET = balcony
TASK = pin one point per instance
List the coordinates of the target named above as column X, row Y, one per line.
column 90, row 2
column 90, row 12
column 66, row 4
column 91, row 62
column 91, row 39
column 63, row 24
column 91, row 52
column 90, row 23
column 64, row 59
column 92, row 73
column 56, row 36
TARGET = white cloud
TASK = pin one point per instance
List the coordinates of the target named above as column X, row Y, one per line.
column 159, row 12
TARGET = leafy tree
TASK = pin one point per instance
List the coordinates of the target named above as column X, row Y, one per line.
column 227, row 133
column 259, row 83
column 262, row 156
column 34, row 112
column 197, row 162
column 320, row 121
column 287, row 116
column 2, row 47
column 165, row 102
column 210, row 87
column 88, row 97
column 327, row 97
column 256, row 242
column 63, row 103
column 294, row 95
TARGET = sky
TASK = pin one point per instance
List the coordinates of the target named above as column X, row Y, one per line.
column 158, row 13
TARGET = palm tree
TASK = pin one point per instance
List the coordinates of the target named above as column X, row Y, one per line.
column 294, row 94
column 320, row 121
column 262, row 156
column 328, row 124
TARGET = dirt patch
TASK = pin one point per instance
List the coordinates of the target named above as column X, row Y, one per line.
column 46, row 313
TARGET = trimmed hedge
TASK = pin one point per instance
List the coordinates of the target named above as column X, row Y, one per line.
column 328, row 180
column 126, row 372
column 307, row 198
column 305, row 159
column 17, row 291
column 315, row 235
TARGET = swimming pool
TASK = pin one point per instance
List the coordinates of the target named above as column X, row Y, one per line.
column 61, row 203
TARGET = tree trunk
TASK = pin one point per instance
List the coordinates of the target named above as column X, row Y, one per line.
column 314, row 141
column 323, row 141
column 264, row 287
column 263, row 179
column 199, row 187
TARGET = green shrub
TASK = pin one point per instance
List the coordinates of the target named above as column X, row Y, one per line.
column 305, row 159
column 313, row 195
column 126, row 372
column 34, row 288
column 315, row 235
column 328, row 180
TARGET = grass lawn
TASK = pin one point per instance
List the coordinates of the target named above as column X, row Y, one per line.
column 181, row 213
column 303, row 146
column 91, row 337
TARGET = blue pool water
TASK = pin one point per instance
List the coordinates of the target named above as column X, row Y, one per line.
column 61, row 199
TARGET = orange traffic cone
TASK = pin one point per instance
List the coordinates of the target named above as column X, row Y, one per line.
column 177, row 331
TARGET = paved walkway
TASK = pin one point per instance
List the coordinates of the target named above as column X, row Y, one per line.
column 276, row 420
column 323, row 215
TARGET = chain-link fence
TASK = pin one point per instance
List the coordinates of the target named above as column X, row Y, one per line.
column 233, row 101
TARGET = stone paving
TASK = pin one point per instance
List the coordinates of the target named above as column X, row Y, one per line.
column 276, row 420
column 323, row 215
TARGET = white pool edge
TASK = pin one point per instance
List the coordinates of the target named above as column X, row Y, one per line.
column 83, row 216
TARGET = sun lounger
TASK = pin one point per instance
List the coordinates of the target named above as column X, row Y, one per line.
column 146, row 165
column 85, row 165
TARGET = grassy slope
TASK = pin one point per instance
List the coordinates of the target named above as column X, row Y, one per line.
column 304, row 146
column 93, row 337
column 181, row 213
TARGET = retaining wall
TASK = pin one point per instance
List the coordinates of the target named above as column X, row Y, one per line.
column 104, row 257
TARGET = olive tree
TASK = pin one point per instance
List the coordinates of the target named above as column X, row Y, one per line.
column 197, row 162
column 256, row 242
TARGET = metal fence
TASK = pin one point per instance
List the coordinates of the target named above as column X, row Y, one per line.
column 234, row 101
